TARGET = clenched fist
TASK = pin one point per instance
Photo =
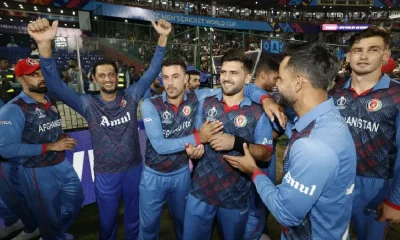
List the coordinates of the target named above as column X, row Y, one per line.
column 163, row 27
column 41, row 30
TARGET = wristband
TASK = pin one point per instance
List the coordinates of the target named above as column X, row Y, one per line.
column 238, row 145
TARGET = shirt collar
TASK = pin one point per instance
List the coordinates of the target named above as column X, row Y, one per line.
column 28, row 99
column 383, row 83
column 321, row 109
column 164, row 96
column 246, row 101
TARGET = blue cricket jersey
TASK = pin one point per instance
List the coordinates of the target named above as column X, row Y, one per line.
column 112, row 125
column 215, row 181
column 314, row 200
column 374, row 118
column 170, row 127
column 26, row 127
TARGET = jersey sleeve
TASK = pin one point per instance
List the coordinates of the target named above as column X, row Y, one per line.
column 138, row 89
column 303, row 183
column 394, row 196
column 255, row 93
column 204, row 93
column 263, row 132
column 12, row 124
column 57, row 87
column 154, row 132
column 199, row 115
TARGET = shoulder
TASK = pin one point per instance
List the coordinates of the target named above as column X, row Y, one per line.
column 12, row 108
column 315, row 152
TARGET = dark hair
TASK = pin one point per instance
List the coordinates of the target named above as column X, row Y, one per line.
column 73, row 59
column 268, row 63
column 104, row 62
column 174, row 62
column 193, row 72
column 372, row 31
column 315, row 60
column 238, row 56
column 3, row 58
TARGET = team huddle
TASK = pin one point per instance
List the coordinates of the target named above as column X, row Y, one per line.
column 210, row 153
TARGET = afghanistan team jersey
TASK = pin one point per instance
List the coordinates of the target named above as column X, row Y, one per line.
column 315, row 197
column 113, row 125
column 26, row 128
column 373, row 118
column 177, row 122
column 215, row 181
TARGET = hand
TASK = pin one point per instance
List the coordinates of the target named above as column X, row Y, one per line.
column 163, row 27
column 208, row 129
column 222, row 142
column 41, row 31
column 62, row 145
column 245, row 163
column 194, row 152
column 272, row 109
column 387, row 213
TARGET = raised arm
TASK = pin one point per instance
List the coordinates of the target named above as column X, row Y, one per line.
column 43, row 33
column 138, row 89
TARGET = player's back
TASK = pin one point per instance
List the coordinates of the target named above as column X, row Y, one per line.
column 331, row 214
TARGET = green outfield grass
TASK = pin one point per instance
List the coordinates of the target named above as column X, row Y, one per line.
column 86, row 226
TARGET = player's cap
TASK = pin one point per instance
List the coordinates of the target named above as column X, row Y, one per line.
column 192, row 69
column 389, row 67
column 26, row 66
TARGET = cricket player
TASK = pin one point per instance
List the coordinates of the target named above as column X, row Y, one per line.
column 267, row 74
column 31, row 135
column 112, row 120
column 218, row 190
column 370, row 103
column 315, row 197
column 169, row 123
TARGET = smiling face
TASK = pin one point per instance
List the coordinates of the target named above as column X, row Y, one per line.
column 106, row 78
column 232, row 77
column 367, row 55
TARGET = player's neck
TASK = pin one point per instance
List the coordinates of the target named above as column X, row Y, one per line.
column 108, row 97
column 309, row 102
column 233, row 100
column 38, row 97
column 362, row 83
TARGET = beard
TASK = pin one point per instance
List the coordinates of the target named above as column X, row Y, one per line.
column 108, row 91
column 37, row 89
column 232, row 90
column 286, row 100
column 175, row 94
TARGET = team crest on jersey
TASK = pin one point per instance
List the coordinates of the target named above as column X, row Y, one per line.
column 123, row 103
column 240, row 121
column 212, row 114
column 32, row 62
column 374, row 105
column 186, row 110
column 166, row 116
column 340, row 103
column 40, row 113
column 54, row 109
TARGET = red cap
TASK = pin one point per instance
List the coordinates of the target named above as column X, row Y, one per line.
column 26, row 66
column 389, row 67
